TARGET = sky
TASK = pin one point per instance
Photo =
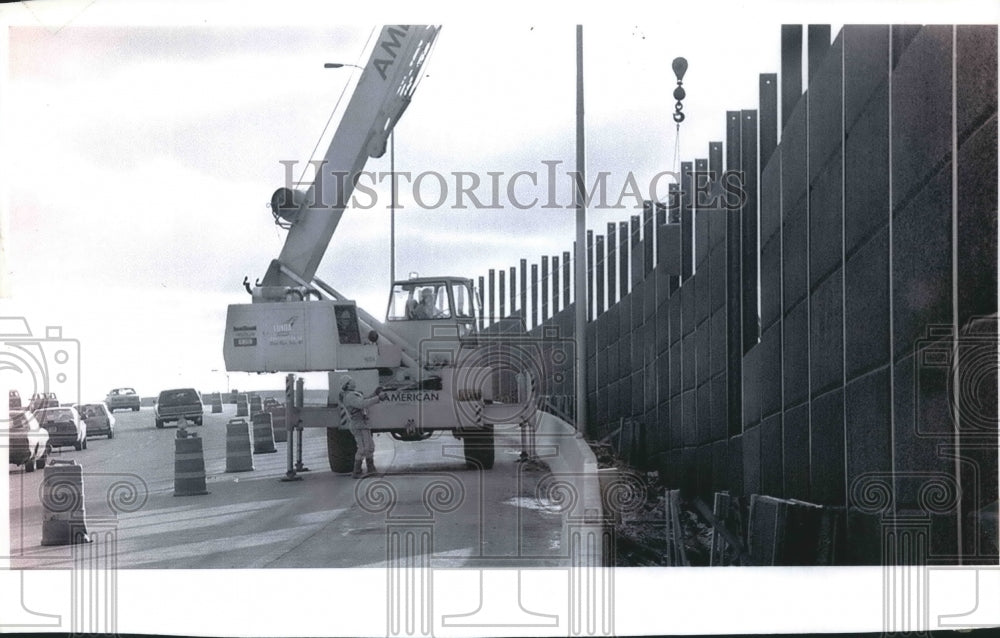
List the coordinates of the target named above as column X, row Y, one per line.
column 140, row 149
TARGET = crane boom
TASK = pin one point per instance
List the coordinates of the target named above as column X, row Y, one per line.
column 382, row 94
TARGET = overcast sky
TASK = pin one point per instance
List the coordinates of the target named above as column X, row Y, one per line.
column 142, row 146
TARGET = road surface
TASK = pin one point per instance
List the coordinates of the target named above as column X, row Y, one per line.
column 457, row 517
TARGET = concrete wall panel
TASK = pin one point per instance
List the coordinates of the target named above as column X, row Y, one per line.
column 795, row 355
column 795, row 442
column 751, row 461
column 751, row 387
column 770, row 371
column 795, row 252
column 826, row 340
column 826, row 220
column 866, row 309
column 921, row 101
column 866, row 67
column 921, row 265
column 977, row 222
column 866, row 171
column 771, row 456
column 826, row 449
column 770, row 283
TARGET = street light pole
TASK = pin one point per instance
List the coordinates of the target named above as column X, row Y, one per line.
column 582, row 302
column 392, row 209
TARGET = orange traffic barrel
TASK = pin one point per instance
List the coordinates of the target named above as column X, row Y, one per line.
column 189, row 467
column 263, row 433
column 238, row 455
column 277, row 412
column 64, row 521
column 241, row 405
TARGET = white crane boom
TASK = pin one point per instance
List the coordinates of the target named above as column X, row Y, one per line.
column 382, row 94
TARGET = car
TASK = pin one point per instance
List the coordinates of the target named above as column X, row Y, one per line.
column 122, row 399
column 65, row 427
column 171, row 405
column 99, row 419
column 29, row 442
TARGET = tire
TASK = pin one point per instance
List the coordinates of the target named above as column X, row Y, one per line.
column 340, row 448
column 42, row 460
column 111, row 433
column 480, row 449
column 135, row 409
column 159, row 423
column 29, row 465
column 199, row 421
column 78, row 446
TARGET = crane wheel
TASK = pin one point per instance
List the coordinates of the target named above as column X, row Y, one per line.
column 340, row 448
column 480, row 449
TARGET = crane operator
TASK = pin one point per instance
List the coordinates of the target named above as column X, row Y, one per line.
column 426, row 308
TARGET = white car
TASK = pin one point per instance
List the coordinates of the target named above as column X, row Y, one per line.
column 28, row 442
column 122, row 399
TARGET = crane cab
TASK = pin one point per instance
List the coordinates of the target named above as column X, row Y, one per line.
column 424, row 308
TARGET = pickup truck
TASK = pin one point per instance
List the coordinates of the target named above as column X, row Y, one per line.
column 171, row 405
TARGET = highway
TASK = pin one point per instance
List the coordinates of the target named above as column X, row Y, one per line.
column 464, row 518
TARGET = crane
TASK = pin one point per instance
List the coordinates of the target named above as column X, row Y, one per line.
column 435, row 369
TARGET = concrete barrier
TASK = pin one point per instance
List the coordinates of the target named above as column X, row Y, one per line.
column 574, row 467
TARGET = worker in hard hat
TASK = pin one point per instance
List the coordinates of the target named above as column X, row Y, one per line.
column 354, row 415
column 426, row 308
